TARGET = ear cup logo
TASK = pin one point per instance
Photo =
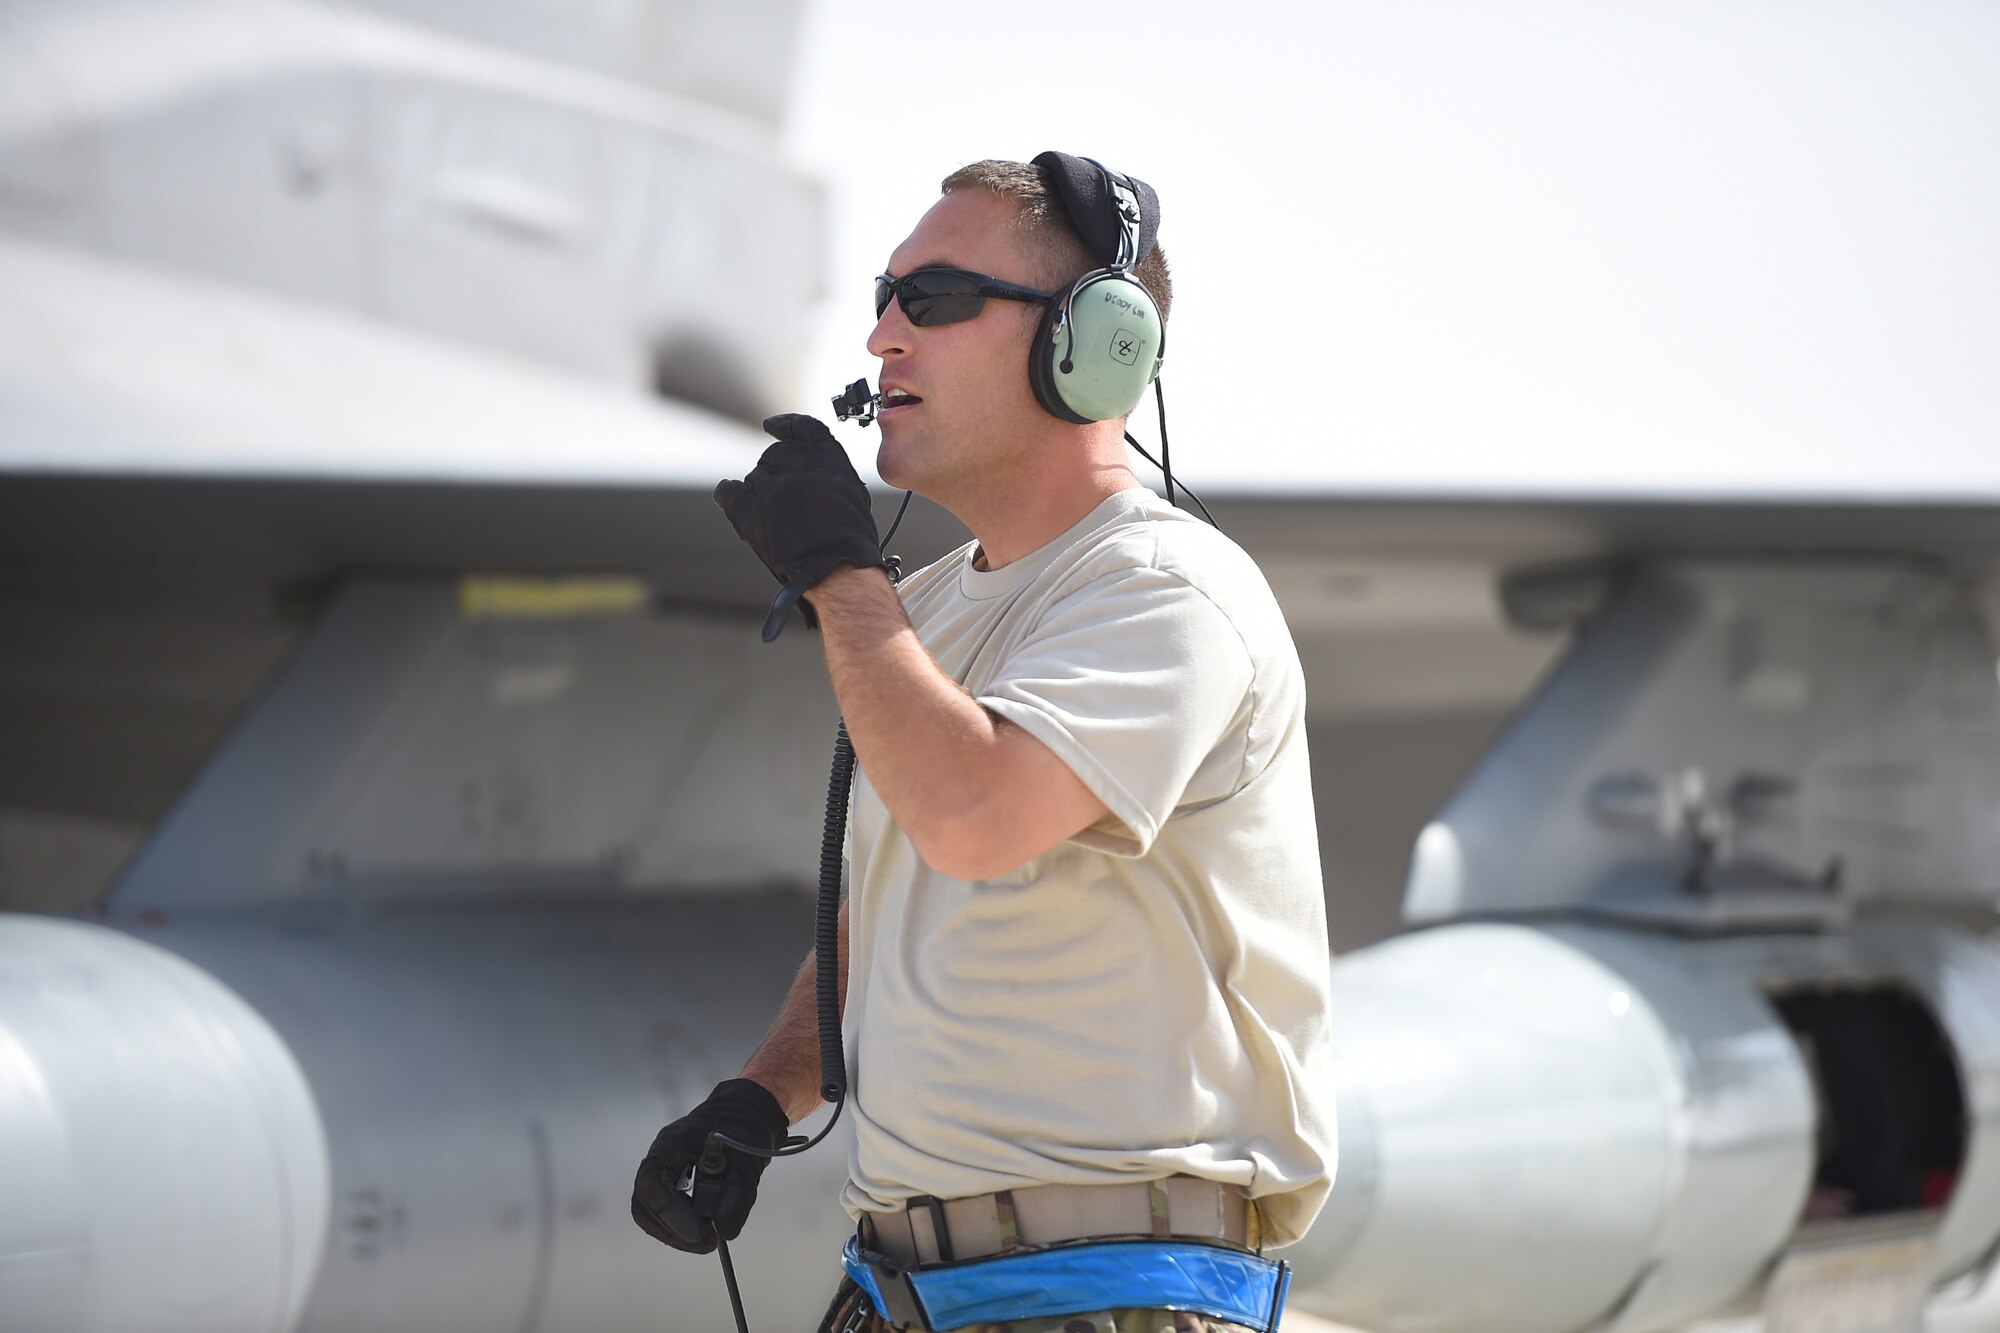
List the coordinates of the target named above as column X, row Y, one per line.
column 1125, row 347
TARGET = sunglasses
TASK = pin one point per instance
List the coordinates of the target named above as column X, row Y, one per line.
column 934, row 296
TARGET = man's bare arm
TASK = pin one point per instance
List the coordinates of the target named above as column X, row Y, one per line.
column 787, row 1060
column 977, row 795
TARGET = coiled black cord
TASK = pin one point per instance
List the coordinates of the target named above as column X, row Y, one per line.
column 826, row 965
column 826, row 923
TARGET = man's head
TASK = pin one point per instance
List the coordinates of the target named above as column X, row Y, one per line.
column 977, row 418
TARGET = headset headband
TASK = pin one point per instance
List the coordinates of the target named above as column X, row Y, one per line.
column 1117, row 216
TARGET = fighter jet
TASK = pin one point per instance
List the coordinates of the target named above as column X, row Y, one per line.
column 410, row 818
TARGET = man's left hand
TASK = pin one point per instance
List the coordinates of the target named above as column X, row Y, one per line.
column 717, row 1202
column 803, row 510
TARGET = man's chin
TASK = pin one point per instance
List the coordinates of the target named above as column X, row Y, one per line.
column 894, row 465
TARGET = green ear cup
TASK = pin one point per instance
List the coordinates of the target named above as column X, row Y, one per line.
column 1095, row 365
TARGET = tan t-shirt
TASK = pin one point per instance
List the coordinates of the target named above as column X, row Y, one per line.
column 1149, row 997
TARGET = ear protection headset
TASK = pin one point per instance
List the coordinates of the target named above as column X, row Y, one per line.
column 1101, row 343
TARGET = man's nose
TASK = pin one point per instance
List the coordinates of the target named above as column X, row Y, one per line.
column 891, row 334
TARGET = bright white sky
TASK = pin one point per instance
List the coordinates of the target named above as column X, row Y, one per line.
column 1682, row 246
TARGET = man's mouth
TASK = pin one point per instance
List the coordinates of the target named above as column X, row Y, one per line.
column 895, row 398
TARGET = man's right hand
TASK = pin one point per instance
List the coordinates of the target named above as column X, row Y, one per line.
column 720, row 1201
column 804, row 511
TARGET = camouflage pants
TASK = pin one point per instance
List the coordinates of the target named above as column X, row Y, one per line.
column 851, row 1313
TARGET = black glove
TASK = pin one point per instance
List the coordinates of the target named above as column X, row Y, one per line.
column 725, row 1186
column 804, row 511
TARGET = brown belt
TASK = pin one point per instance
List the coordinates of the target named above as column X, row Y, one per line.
column 929, row 1230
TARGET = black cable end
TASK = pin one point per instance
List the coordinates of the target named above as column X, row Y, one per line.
column 712, row 1161
column 781, row 609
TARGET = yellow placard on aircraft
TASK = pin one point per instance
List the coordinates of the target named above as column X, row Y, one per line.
column 499, row 596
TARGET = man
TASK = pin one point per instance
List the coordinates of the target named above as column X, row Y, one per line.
column 1086, row 993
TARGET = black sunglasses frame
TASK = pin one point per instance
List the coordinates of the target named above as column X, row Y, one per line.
column 934, row 296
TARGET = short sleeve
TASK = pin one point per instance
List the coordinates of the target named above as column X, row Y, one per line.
column 1141, row 684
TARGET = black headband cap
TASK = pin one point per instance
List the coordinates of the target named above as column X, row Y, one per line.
column 1086, row 195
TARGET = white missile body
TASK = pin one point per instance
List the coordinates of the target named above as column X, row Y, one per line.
column 415, row 1117
column 1586, row 1127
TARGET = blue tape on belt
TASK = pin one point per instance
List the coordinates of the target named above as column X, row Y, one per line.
column 1102, row 1275
column 863, row 1274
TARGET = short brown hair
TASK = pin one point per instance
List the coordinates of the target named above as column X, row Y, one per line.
column 1057, row 252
